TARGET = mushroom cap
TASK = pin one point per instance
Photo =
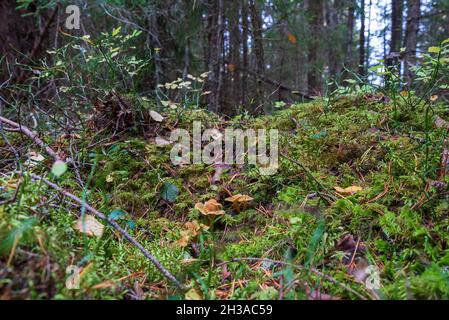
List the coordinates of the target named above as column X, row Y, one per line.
column 210, row 207
column 240, row 198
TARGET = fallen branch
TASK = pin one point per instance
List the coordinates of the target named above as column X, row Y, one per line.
column 328, row 197
column 33, row 136
column 116, row 226
column 299, row 267
column 14, row 196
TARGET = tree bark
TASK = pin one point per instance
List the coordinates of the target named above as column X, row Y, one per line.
column 234, row 54
column 349, row 59
column 397, row 7
column 244, row 10
column 256, row 22
column 317, row 21
column 362, row 39
column 411, row 37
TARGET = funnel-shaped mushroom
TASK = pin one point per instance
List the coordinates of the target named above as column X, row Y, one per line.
column 239, row 201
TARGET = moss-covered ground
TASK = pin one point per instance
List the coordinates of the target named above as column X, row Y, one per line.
column 307, row 238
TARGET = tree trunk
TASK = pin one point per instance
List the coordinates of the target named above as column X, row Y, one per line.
column 234, row 54
column 256, row 23
column 317, row 21
column 335, row 51
column 362, row 39
column 244, row 87
column 349, row 59
column 397, row 7
column 411, row 37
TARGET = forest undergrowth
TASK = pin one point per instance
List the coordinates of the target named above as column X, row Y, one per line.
column 356, row 210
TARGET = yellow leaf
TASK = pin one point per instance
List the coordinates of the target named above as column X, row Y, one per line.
column 403, row 93
column 193, row 294
column 116, row 31
column 348, row 190
column 433, row 98
column 291, row 38
column 90, row 226
column 434, row 50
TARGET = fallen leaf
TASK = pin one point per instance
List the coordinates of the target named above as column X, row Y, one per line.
column 161, row 141
column 90, row 226
column 441, row 123
column 433, row 98
column 156, row 116
column 59, row 168
column 291, row 37
column 318, row 295
column 348, row 190
column 193, row 294
column 109, row 178
column 37, row 157
column 169, row 192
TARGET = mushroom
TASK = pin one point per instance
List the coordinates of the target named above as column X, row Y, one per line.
column 211, row 209
column 239, row 201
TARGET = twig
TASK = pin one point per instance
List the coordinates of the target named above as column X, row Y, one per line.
column 89, row 208
column 116, row 226
column 33, row 136
column 14, row 197
column 299, row 267
column 318, row 185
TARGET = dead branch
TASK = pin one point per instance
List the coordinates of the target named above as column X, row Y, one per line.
column 116, row 226
column 33, row 136
column 299, row 267
column 14, row 196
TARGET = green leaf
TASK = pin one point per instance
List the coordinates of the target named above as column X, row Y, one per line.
column 16, row 234
column 116, row 214
column 59, row 168
column 434, row 50
column 374, row 68
column 169, row 192
column 316, row 239
column 116, row 31
column 131, row 224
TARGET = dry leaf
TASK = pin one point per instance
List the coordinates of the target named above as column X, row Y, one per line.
column 291, row 38
column 348, row 190
column 433, row 98
column 193, row 294
column 156, row 116
column 161, row 141
column 37, row 157
column 90, row 226
column 441, row 123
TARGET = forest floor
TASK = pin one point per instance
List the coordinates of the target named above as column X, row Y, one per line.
column 352, row 212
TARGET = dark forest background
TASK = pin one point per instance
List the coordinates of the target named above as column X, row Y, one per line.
column 256, row 51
